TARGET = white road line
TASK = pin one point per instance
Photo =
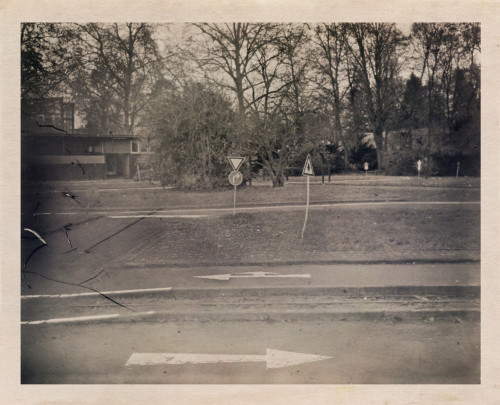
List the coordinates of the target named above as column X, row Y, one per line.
column 55, row 213
column 269, row 207
column 158, row 216
column 90, row 294
column 70, row 320
column 312, row 206
column 83, row 318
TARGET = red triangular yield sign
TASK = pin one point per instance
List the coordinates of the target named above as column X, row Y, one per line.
column 236, row 161
column 308, row 167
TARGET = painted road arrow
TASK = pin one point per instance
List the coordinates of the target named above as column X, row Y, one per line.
column 253, row 274
column 273, row 358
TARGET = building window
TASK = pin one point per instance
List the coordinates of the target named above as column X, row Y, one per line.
column 135, row 147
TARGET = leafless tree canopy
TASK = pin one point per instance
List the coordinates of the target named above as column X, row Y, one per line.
column 274, row 92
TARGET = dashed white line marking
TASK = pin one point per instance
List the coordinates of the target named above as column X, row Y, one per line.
column 157, row 216
column 90, row 294
column 265, row 207
column 70, row 320
column 83, row 318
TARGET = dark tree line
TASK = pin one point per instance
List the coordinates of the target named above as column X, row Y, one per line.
column 273, row 92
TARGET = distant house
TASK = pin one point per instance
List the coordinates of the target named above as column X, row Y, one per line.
column 398, row 139
column 51, row 148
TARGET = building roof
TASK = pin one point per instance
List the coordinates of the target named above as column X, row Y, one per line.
column 62, row 134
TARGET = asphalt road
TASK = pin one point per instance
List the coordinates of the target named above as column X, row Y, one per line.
column 213, row 314
column 387, row 352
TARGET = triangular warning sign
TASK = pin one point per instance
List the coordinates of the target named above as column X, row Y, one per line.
column 308, row 167
column 236, row 161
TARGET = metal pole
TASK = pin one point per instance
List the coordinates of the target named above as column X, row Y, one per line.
column 234, row 205
column 307, row 209
column 458, row 167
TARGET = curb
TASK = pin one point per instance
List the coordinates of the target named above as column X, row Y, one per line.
column 298, row 263
column 430, row 316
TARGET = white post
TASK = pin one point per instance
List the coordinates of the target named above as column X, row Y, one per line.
column 307, row 209
column 458, row 167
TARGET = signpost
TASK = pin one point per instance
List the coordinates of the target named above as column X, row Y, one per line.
column 458, row 168
column 419, row 167
column 307, row 171
column 235, row 177
column 366, row 168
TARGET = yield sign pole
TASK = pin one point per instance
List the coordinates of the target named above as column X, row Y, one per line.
column 235, row 178
column 234, row 201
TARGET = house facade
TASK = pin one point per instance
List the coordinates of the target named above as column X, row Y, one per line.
column 51, row 148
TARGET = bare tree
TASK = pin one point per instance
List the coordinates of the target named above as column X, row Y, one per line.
column 46, row 62
column 376, row 51
column 121, row 58
column 262, row 66
column 332, row 80
column 448, row 56
column 230, row 49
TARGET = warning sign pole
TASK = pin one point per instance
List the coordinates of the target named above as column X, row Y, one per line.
column 307, row 171
column 307, row 209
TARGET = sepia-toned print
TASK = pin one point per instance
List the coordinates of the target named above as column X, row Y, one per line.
column 250, row 203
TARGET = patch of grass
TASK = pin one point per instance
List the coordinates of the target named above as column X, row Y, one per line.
column 349, row 189
column 269, row 236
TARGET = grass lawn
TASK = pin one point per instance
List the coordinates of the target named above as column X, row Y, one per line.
column 346, row 234
column 342, row 188
column 337, row 233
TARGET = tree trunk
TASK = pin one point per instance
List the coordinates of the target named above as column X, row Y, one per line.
column 322, row 169
column 250, row 170
column 278, row 179
column 379, row 145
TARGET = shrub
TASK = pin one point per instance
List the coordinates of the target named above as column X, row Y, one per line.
column 404, row 163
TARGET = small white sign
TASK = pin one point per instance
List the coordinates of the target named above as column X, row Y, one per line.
column 366, row 165
column 236, row 161
column 308, row 167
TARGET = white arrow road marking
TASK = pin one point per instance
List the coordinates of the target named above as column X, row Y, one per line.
column 253, row 274
column 273, row 358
